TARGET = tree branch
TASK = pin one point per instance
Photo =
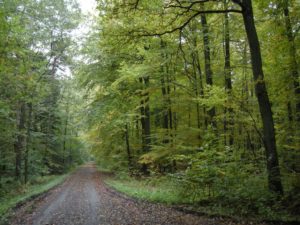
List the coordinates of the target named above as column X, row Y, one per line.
column 189, row 20
column 239, row 2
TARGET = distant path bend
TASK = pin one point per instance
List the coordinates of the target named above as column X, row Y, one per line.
column 83, row 199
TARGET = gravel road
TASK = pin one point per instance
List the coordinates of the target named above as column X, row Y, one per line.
column 83, row 199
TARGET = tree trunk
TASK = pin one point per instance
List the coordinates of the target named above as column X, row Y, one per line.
column 165, row 109
column 292, row 57
column 147, row 118
column 228, row 82
column 129, row 156
column 195, row 67
column 145, row 122
column 208, row 71
column 65, row 136
column 169, row 102
column 165, row 82
column 201, row 89
column 28, row 140
column 20, row 139
column 274, row 178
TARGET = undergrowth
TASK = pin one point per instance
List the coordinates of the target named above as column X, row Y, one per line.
column 246, row 199
column 158, row 189
column 19, row 193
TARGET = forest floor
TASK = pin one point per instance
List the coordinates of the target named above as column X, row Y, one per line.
column 84, row 199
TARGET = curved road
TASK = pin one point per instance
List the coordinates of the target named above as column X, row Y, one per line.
column 83, row 199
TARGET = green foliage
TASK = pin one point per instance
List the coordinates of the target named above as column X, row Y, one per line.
column 155, row 99
column 232, row 198
column 35, row 139
column 158, row 189
column 152, row 111
column 22, row 193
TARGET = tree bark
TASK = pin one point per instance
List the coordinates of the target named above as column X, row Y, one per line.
column 145, row 122
column 169, row 102
column 196, row 68
column 292, row 57
column 228, row 82
column 129, row 156
column 147, row 118
column 28, row 140
column 208, row 72
column 165, row 109
column 20, row 139
column 274, row 178
column 65, row 135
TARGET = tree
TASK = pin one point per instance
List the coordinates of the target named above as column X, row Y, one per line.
column 263, row 98
column 35, row 37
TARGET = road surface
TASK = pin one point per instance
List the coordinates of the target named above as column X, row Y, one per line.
column 83, row 199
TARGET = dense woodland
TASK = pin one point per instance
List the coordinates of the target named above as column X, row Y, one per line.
column 202, row 92
column 38, row 109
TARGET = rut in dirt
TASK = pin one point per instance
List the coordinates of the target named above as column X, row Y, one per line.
column 83, row 199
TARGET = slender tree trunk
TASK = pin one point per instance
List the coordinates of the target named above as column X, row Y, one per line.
column 274, row 177
column 228, row 82
column 165, row 109
column 209, row 81
column 129, row 156
column 174, row 113
column 145, row 122
column 197, row 93
column 65, row 136
column 142, row 109
column 198, row 84
column 137, row 128
column 144, row 168
column 28, row 137
column 2, row 169
column 292, row 57
column 189, row 116
column 147, row 118
column 201, row 89
column 146, row 111
column 20, row 139
column 165, row 82
column 169, row 101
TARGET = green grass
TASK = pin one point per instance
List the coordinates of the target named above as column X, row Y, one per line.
column 154, row 190
column 161, row 190
column 168, row 191
column 24, row 192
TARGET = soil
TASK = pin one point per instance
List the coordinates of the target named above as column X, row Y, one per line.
column 84, row 199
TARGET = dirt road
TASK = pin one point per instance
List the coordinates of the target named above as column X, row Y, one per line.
column 83, row 199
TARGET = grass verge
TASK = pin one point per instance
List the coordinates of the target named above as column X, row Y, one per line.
column 26, row 192
column 154, row 190
column 167, row 191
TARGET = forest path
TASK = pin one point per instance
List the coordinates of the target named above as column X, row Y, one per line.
column 83, row 199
